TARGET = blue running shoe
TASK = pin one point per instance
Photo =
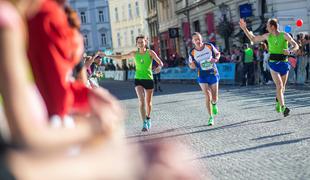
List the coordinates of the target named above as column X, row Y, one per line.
column 149, row 123
column 145, row 126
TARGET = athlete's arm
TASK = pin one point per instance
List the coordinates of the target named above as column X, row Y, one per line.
column 292, row 42
column 191, row 63
column 156, row 58
column 120, row 57
column 250, row 35
column 217, row 55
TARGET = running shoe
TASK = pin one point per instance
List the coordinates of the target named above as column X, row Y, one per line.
column 211, row 121
column 145, row 127
column 286, row 111
column 149, row 123
column 278, row 106
column 214, row 109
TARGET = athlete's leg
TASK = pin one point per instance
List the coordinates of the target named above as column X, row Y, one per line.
column 279, row 86
column 214, row 93
column 140, row 94
column 284, row 79
column 284, row 109
column 207, row 92
column 148, row 100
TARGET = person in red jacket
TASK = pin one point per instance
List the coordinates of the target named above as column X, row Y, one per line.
column 53, row 52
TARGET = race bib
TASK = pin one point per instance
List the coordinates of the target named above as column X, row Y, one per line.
column 206, row 65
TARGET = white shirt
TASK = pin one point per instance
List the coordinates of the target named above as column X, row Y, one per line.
column 203, row 57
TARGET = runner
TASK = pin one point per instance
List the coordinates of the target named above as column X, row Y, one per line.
column 203, row 57
column 278, row 60
column 144, row 84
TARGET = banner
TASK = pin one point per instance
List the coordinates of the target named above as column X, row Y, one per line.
column 226, row 71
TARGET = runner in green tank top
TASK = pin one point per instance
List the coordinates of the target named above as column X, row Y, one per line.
column 144, row 84
column 278, row 49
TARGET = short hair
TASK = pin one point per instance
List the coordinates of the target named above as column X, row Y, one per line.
column 273, row 22
column 140, row 37
column 196, row 34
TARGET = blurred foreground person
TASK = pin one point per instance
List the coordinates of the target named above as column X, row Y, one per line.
column 34, row 151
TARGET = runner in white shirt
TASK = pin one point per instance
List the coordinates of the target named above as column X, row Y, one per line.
column 203, row 58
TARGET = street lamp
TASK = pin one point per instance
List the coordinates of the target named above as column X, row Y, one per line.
column 224, row 10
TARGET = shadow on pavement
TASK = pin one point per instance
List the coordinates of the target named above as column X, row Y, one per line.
column 271, row 136
column 280, row 143
column 126, row 90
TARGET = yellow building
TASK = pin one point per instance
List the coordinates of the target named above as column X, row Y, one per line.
column 128, row 20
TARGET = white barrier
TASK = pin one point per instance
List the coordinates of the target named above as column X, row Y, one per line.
column 115, row 75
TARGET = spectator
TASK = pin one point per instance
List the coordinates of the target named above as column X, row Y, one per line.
column 248, row 66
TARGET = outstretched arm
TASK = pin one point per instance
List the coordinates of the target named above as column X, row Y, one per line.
column 119, row 57
column 250, row 35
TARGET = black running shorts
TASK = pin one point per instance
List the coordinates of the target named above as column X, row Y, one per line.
column 146, row 84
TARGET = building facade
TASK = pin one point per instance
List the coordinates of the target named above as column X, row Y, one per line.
column 128, row 20
column 95, row 23
column 218, row 21
column 168, row 29
column 288, row 11
column 153, row 26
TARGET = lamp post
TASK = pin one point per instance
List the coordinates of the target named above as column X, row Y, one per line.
column 186, row 13
column 224, row 10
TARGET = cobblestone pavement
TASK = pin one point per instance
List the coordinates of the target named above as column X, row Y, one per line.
column 249, row 139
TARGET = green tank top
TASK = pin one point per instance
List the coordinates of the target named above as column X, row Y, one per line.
column 143, row 66
column 276, row 44
column 248, row 55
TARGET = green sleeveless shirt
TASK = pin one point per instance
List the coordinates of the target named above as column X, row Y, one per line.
column 248, row 55
column 276, row 44
column 143, row 66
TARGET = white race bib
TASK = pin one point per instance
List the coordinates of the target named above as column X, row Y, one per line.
column 206, row 65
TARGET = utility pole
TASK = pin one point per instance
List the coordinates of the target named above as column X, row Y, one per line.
column 187, row 10
column 157, row 29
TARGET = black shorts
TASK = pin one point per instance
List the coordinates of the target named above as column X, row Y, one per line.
column 146, row 84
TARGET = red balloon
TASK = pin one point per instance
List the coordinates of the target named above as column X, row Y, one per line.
column 299, row 22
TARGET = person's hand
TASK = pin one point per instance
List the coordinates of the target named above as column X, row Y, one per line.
column 157, row 70
column 192, row 65
column 242, row 24
column 214, row 60
column 286, row 52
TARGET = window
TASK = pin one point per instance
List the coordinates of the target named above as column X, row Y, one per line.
column 125, row 38
column 101, row 16
column 103, row 39
column 123, row 13
column 132, row 37
column 119, row 40
column 116, row 14
column 129, row 11
column 83, row 17
column 86, row 41
column 137, row 9
column 139, row 31
column 196, row 26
